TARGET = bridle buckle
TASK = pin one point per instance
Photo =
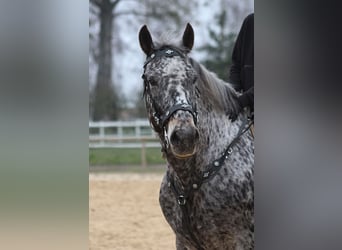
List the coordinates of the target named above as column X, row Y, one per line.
column 181, row 200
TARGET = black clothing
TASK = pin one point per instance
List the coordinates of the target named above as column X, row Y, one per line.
column 242, row 69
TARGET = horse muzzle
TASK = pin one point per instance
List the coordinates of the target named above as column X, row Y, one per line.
column 183, row 135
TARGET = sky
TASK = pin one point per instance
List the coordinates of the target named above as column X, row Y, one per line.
column 128, row 63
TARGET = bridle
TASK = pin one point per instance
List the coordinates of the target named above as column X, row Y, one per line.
column 159, row 120
column 182, row 194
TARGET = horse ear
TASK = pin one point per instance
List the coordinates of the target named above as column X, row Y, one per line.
column 145, row 40
column 188, row 37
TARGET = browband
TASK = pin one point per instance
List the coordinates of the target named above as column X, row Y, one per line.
column 164, row 51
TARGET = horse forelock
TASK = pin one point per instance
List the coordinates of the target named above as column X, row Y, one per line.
column 170, row 39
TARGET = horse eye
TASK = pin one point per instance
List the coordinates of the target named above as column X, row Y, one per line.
column 152, row 82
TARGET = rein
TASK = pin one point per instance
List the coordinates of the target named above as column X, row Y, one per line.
column 184, row 194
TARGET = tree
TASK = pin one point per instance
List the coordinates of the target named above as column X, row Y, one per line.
column 105, row 98
column 219, row 51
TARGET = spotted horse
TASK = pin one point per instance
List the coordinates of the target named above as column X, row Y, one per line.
column 207, row 193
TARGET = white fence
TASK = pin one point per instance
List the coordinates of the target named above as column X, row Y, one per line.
column 122, row 134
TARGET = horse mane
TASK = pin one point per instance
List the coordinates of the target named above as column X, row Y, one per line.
column 219, row 94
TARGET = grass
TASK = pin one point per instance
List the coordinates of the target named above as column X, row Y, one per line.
column 121, row 156
column 137, row 169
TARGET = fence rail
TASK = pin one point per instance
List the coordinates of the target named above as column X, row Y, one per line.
column 122, row 134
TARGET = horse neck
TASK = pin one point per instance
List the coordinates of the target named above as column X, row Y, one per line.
column 216, row 132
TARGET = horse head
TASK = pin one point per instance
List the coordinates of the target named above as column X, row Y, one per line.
column 170, row 92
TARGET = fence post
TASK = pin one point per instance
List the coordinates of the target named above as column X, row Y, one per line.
column 137, row 130
column 120, row 132
column 143, row 154
column 102, row 133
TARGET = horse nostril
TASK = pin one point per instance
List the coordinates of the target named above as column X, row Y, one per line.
column 175, row 137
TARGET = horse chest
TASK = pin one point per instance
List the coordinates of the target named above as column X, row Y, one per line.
column 215, row 217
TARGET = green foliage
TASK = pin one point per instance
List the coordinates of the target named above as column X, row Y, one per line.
column 219, row 49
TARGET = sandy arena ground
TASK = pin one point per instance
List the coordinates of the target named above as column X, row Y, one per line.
column 124, row 213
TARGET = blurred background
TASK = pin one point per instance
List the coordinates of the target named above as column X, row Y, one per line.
column 49, row 64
